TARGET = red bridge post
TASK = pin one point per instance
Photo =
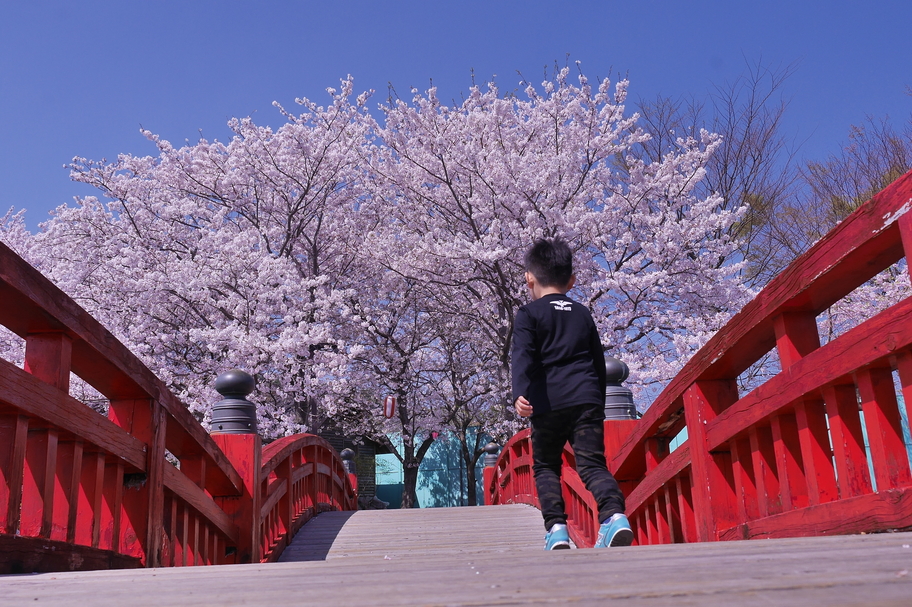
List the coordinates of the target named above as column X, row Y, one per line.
column 244, row 451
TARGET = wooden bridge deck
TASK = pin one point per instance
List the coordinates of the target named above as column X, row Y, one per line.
column 493, row 556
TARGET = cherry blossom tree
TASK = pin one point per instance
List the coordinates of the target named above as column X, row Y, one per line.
column 219, row 255
column 340, row 259
column 471, row 186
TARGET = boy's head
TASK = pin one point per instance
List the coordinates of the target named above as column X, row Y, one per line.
column 550, row 261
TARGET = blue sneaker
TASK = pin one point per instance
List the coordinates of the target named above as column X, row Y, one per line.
column 557, row 538
column 615, row 531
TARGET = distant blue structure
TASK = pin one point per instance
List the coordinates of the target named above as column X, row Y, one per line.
column 441, row 477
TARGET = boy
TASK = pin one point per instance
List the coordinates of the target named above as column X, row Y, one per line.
column 559, row 380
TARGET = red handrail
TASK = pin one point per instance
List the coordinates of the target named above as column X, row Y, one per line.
column 301, row 476
column 80, row 491
column 761, row 464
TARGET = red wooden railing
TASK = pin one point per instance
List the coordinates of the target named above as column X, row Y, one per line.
column 80, row 491
column 787, row 458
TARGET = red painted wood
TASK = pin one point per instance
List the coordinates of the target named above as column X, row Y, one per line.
column 853, row 478
column 763, row 458
column 792, row 482
column 832, row 364
column 882, row 421
column 13, row 437
column 666, row 472
column 796, row 336
column 66, row 488
column 38, row 483
column 135, row 417
column 862, row 245
column 73, row 477
column 672, row 515
column 87, row 527
column 685, row 507
column 50, row 407
column 112, row 500
column 903, row 361
column 810, row 417
column 244, row 452
column 890, row 509
column 745, row 483
column 712, row 485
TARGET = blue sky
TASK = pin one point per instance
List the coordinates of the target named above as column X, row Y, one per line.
column 81, row 78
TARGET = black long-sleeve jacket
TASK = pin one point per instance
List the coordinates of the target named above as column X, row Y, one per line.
column 557, row 356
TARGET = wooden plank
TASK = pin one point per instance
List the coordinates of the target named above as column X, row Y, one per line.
column 816, row 453
column 867, row 242
column 889, row 331
column 28, row 555
column 712, row 485
column 32, row 304
column 190, row 493
column 13, row 439
column 853, row 478
column 663, row 473
column 882, row 421
column 420, row 532
column 871, row 513
column 504, row 565
column 37, row 399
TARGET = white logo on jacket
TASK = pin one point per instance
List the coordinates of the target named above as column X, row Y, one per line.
column 561, row 306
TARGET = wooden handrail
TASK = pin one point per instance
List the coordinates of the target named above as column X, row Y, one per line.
column 146, row 485
column 787, row 458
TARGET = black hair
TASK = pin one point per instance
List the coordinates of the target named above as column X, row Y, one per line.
column 550, row 261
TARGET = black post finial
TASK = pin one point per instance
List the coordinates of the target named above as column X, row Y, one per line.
column 618, row 399
column 234, row 414
column 491, row 450
column 348, row 461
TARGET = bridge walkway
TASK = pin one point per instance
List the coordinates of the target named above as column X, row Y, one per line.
column 493, row 556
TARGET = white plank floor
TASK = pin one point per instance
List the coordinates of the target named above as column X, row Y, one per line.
column 493, row 556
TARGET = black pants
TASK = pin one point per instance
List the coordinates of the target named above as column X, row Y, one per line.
column 583, row 427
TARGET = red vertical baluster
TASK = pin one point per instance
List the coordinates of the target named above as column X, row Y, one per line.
column 904, row 370
column 712, row 484
column 810, row 414
column 69, row 467
column 796, row 337
column 89, row 501
column 745, row 483
column 852, row 474
column 672, row 514
column 789, row 463
column 112, row 504
column 48, row 357
column 882, row 421
column 686, row 510
column 663, row 535
column 13, row 439
column 143, row 498
column 763, row 457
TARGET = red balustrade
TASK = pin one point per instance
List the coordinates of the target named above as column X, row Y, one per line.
column 787, row 458
column 79, row 490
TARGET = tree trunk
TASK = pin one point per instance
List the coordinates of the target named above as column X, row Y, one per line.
column 411, row 463
column 410, row 485
column 469, row 459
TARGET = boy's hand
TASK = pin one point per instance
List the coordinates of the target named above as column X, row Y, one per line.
column 522, row 406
